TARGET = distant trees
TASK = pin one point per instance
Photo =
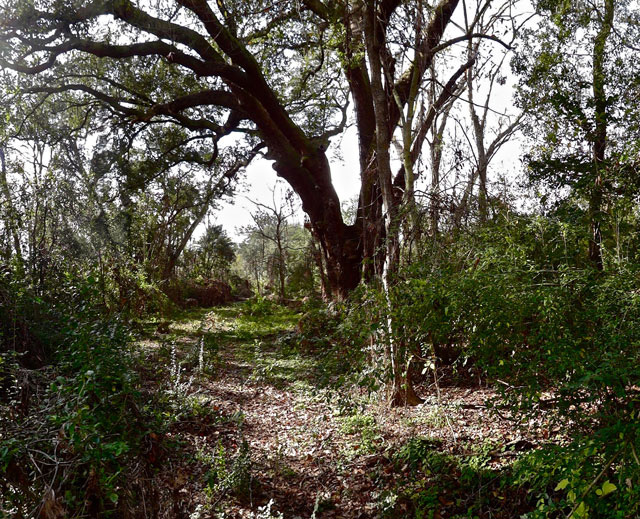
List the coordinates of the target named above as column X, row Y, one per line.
column 275, row 250
column 42, row 213
column 490, row 127
column 166, row 218
column 211, row 255
column 76, row 204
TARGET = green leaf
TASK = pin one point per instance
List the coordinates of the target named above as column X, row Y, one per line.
column 580, row 511
column 607, row 488
column 562, row 485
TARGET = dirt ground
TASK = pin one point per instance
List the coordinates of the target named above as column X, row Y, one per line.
column 257, row 438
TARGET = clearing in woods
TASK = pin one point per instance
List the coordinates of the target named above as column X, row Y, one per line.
column 255, row 432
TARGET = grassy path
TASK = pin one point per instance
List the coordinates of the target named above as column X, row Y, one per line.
column 250, row 426
column 275, row 437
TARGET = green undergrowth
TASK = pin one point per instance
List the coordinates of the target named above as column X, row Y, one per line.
column 363, row 434
column 74, row 432
column 582, row 480
column 87, row 434
column 487, row 480
column 193, row 350
column 261, row 341
column 432, row 483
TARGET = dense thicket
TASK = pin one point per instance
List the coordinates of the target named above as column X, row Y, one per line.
column 516, row 305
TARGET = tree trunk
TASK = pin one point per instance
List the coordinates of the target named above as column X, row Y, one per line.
column 281, row 266
column 483, row 209
column 370, row 220
column 478, row 133
column 401, row 389
column 403, row 393
column 317, row 258
column 600, row 141
column 595, row 214
column 12, row 216
column 339, row 243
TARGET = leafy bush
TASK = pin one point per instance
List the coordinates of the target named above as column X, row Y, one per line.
column 515, row 299
column 71, row 441
column 229, row 474
column 316, row 328
column 435, row 484
column 259, row 307
column 588, row 478
column 365, row 427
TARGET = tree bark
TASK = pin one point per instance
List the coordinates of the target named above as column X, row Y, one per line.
column 11, row 220
column 402, row 392
column 310, row 178
column 600, row 141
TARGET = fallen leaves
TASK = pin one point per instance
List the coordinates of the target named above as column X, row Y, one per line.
column 302, row 460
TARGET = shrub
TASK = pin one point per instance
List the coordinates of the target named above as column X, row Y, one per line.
column 71, row 444
column 259, row 307
column 562, row 337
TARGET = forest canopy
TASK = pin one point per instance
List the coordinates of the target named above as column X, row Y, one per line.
column 182, row 78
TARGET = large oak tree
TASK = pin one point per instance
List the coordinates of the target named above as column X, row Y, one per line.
column 279, row 75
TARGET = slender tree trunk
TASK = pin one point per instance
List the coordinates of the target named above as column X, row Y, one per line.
column 436, row 161
column 281, row 266
column 483, row 206
column 402, row 392
column 600, row 142
column 478, row 133
column 462, row 209
column 12, row 215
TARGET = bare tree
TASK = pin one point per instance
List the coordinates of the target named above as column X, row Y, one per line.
column 271, row 223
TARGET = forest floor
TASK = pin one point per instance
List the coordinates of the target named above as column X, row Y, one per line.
column 253, row 434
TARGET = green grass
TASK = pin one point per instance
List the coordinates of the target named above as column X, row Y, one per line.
column 364, row 432
column 254, row 338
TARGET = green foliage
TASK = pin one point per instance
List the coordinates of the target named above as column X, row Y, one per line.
column 434, row 484
column 316, row 328
column 211, row 256
column 228, row 474
column 301, row 279
column 87, row 428
column 512, row 299
column 259, row 307
column 577, row 72
column 582, row 478
column 238, row 324
column 365, row 428
column 516, row 300
column 344, row 338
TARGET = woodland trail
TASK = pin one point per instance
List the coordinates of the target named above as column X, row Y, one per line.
column 253, row 426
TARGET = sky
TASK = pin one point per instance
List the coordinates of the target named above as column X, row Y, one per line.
column 260, row 179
